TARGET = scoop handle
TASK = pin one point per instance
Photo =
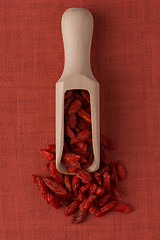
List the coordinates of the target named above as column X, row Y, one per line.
column 77, row 30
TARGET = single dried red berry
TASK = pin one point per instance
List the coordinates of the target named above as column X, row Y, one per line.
column 41, row 185
column 121, row 170
column 105, row 209
column 75, row 185
column 81, row 136
column 70, row 157
column 85, row 115
column 122, row 207
column 92, row 189
column 106, row 182
column 68, row 93
column 75, row 106
column 46, row 154
column 100, row 191
column 85, row 96
column 72, row 208
column 81, row 196
column 54, row 186
column 86, row 203
column 51, row 148
column 82, row 174
column 102, row 200
column 79, row 217
column 53, row 200
column 57, row 176
column 72, row 120
column 107, row 143
column 67, row 182
column 92, row 208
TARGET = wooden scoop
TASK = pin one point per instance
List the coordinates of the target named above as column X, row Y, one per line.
column 77, row 29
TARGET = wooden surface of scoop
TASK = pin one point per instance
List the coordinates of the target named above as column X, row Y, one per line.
column 77, row 29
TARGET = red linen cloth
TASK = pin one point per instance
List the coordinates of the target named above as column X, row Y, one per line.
column 125, row 60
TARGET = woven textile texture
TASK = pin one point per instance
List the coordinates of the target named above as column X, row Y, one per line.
column 125, row 60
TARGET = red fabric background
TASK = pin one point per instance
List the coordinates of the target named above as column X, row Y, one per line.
column 125, row 60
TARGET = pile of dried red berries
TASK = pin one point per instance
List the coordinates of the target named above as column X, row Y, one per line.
column 83, row 192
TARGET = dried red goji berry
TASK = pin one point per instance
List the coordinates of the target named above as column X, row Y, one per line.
column 92, row 189
column 85, row 96
column 54, row 186
column 67, row 102
column 72, row 208
column 114, row 177
column 105, row 209
column 83, row 159
column 102, row 200
column 71, row 169
column 107, row 142
column 82, row 145
column 72, row 120
column 85, row 115
column 85, row 187
column 81, row 196
column 92, row 208
column 121, row 170
column 116, row 193
column 57, row 176
column 41, row 185
column 88, row 109
column 51, row 148
column 99, row 180
column 86, row 203
column 81, row 136
column 68, row 93
column 80, row 152
column 82, row 174
column 70, row 157
column 46, row 154
column 53, row 200
column 100, row 191
column 75, row 185
column 88, row 163
column 103, row 156
column 79, row 217
column 106, row 181
column 68, row 131
column 122, row 207
column 75, row 106
column 67, row 182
